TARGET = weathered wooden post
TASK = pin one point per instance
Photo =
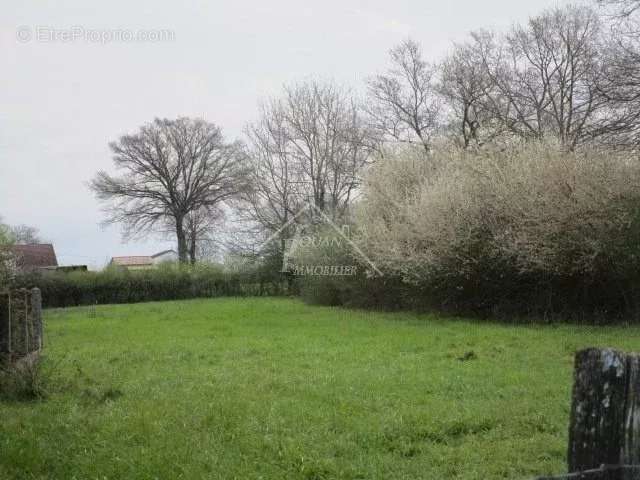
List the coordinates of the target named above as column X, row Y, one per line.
column 36, row 312
column 605, row 415
column 28, row 329
column 20, row 323
column 5, row 324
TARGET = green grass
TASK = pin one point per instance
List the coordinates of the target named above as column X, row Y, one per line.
column 271, row 388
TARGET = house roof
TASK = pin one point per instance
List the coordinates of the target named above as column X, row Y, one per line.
column 35, row 255
column 132, row 261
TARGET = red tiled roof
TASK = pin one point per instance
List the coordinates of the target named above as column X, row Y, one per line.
column 132, row 261
column 35, row 256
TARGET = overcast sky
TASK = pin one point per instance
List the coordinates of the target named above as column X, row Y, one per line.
column 62, row 100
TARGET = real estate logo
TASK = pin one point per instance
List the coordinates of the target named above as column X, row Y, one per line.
column 338, row 238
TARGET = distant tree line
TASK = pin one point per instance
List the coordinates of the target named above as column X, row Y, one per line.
column 570, row 73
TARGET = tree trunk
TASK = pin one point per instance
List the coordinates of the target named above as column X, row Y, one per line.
column 182, row 240
column 192, row 249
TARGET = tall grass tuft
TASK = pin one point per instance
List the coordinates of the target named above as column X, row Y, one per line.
column 23, row 381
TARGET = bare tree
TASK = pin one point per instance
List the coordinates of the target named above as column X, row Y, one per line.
column 201, row 227
column 545, row 74
column 403, row 104
column 622, row 8
column 466, row 87
column 620, row 79
column 170, row 169
column 24, row 234
column 327, row 142
column 620, row 85
column 309, row 146
column 275, row 196
column 203, row 232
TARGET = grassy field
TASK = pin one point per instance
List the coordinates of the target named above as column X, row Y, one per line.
column 272, row 389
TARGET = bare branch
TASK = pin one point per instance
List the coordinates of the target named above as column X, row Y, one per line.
column 403, row 104
column 171, row 169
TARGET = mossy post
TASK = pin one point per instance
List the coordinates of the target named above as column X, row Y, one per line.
column 20, row 323
column 27, row 323
column 605, row 414
column 5, row 324
column 36, row 312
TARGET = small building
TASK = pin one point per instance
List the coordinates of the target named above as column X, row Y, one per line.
column 141, row 262
column 34, row 257
column 40, row 257
column 132, row 262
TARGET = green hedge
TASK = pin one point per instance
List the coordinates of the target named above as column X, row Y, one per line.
column 166, row 283
column 544, row 298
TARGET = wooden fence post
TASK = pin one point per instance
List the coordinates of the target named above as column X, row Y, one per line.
column 36, row 311
column 631, row 437
column 605, row 413
column 5, row 323
column 27, row 317
column 20, row 323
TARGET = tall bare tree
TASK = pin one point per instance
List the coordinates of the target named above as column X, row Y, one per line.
column 309, row 145
column 327, row 141
column 466, row 88
column 545, row 73
column 275, row 196
column 620, row 81
column 169, row 170
column 403, row 104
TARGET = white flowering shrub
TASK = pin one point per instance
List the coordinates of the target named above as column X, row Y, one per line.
column 528, row 226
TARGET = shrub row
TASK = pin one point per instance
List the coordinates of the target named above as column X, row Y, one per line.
column 525, row 231
column 165, row 283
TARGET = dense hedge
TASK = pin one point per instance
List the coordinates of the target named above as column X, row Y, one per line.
column 530, row 231
column 166, row 283
column 531, row 297
column 359, row 291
